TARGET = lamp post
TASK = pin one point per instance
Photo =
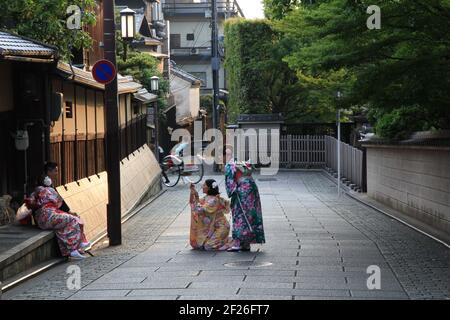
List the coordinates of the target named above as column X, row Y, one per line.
column 127, row 28
column 154, row 86
column 338, row 124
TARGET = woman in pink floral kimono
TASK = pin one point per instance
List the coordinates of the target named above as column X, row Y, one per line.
column 68, row 227
column 209, row 227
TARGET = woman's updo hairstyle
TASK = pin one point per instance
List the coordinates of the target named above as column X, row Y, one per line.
column 213, row 187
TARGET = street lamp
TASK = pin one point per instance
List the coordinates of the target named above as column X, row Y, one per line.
column 338, row 124
column 127, row 28
column 127, row 24
column 154, row 86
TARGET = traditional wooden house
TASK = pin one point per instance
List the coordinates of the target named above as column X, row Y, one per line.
column 60, row 108
column 150, row 27
column 25, row 111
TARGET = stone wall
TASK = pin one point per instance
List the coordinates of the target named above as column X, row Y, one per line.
column 140, row 174
column 414, row 180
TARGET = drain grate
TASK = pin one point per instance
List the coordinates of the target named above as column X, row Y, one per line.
column 247, row 264
column 267, row 179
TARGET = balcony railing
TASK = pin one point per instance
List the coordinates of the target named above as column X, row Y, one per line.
column 187, row 52
column 179, row 7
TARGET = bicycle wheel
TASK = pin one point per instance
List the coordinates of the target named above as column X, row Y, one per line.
column 171, row 173
column 195, row 174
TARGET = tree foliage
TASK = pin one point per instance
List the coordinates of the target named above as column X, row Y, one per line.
column 45, row 20
column 404, row 65
column 248, row 47
column 206, row 103
column 277, row 9
column 259, row 80
column 142, row 67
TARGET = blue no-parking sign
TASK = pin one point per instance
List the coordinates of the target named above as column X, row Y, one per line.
column 104, row 71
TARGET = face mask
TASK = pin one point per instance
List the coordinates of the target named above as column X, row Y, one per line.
column 47, row 182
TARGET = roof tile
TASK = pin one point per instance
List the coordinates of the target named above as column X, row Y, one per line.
column 19, row 46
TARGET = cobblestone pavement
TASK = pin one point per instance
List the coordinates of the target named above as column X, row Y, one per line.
column 318, row 246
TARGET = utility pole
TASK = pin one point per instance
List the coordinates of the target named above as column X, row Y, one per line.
column 215, row 66
column 112, row 131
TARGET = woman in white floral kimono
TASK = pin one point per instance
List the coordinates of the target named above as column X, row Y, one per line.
column 210, row 228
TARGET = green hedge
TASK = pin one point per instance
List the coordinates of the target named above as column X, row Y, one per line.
column 249, row 48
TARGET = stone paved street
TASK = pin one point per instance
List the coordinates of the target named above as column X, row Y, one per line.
column 318, row 247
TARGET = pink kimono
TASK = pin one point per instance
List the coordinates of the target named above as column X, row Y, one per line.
column 68, row 228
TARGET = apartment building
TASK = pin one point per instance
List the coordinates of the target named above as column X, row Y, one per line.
column 189, row 29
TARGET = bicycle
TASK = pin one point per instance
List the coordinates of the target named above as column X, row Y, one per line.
column 174, row 168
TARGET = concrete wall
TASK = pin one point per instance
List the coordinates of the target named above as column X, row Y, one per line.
column 88, row 197
column 184, row 25
column 414, row 181
column 187, row 99
column 195, row 67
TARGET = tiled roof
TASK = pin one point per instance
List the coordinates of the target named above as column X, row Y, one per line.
column 144, row 96
column 269, row 117
column 139, row 19
column 13, row 45
column 133, row 4
column 125, row 84
column 185, row 75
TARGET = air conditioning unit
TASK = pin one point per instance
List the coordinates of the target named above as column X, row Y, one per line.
column 161, row 35
column 159, row 24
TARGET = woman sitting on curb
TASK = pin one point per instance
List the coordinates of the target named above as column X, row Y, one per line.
column 49, row 215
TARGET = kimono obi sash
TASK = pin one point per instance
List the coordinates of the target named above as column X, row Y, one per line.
column 242, row 174
column 50, row 205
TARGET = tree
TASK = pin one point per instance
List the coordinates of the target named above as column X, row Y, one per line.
column 142, row 66
column 259, row 80
column 45, row 20
column 405, row 64
column 277, row 9
column 206, row 103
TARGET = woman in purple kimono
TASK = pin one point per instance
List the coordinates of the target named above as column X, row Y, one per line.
column 245, row 204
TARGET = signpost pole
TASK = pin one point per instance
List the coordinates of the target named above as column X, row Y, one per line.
column 112, row 132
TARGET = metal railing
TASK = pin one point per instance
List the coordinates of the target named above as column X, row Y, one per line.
column 352, row 162
column 196, row 51
column 312, row 151
column 188, row 6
